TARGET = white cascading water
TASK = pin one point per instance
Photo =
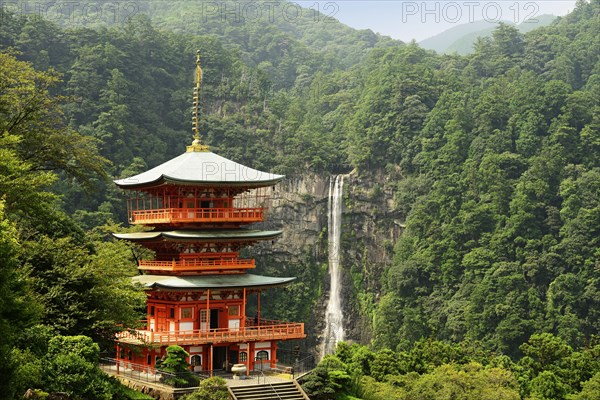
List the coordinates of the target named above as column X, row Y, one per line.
column 334, row 329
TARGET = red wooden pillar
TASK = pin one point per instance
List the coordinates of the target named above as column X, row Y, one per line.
column 243, row 321
column 118, row 361
column 210, row 359
column 258, row 307
column 208, row 311
column 247, row 359
column 273, row 354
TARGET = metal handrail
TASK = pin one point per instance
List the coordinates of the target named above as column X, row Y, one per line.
column 296, row 366
column 144, row 373
column 266, row 383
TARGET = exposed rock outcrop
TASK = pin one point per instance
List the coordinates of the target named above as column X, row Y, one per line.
column 370, row 227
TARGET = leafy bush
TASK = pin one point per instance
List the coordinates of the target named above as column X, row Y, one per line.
column 214, row 388
column 71, row 366
column 177, row 368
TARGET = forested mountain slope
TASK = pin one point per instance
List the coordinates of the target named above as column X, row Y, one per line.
column 278, row 36
column 502, row 188
column 493, row 159
column 264, row 31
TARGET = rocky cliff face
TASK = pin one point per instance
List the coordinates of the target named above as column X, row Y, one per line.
column 370, row 227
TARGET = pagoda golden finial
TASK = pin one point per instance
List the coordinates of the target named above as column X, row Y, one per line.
column 197, row 144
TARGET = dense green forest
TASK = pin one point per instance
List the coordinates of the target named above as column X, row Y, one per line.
column 494, row 158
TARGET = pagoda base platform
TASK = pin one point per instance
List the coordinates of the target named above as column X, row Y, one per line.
column 147, row 382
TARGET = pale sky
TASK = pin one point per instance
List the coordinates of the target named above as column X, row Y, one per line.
column 407, row 20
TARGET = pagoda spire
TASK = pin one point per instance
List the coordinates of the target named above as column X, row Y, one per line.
column 197, row 144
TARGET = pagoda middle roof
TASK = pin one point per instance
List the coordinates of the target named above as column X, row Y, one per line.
column 201, row 168
column 211, row 281
column 197, row 235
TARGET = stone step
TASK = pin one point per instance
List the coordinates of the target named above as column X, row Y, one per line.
column 274, row 391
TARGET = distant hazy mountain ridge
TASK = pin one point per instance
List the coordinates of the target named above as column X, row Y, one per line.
column 460, row 39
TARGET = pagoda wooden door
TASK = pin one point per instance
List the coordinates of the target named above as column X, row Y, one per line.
column 214, row 318
column 203, row 321
column 161, row 319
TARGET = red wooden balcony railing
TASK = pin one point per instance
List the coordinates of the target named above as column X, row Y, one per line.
column 279, row 331
column 194, row 265
column 177, row 215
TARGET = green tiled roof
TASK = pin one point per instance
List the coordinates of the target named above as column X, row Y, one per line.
column 215, row 234
column 211, row 281
column 201, row 168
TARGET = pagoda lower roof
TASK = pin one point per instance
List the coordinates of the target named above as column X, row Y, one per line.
column 201, row 168
column 197, row 235
column 200, row 282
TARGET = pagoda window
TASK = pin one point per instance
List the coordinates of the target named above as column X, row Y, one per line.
column 243, row 356
column 187, row 312
column 262, row 355
column 196, row 360
column 171, row 313
column 234, row 310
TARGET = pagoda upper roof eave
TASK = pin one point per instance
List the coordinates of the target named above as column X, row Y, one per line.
column 200, row 169
column 197, row 235
column 163, row 181
column 204, row 282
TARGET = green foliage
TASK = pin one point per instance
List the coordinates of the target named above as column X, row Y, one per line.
column 29, row 370
column 440, row 370
column 16, row 311
column 590, row 391
column 384, row 363
column 63, row 364
column 327, row 379
column 501, row 243
column 32, row 129
column 175, row 361
column 71, row 366
column 126, row 393
column 387, row 374
column 470, row 382
column 214, row 388
column 176, row 367
column 49, row 272
column 548, row 386
column 551, row 369
column 84, row 291
column 545, row 349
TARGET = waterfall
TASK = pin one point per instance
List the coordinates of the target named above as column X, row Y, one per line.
column 334, row 329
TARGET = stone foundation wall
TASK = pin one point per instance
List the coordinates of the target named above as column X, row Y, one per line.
column 157, row 392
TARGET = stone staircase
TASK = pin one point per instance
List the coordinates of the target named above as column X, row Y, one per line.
column 269, row 391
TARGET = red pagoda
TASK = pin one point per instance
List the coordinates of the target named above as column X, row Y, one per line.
column 198, row 206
